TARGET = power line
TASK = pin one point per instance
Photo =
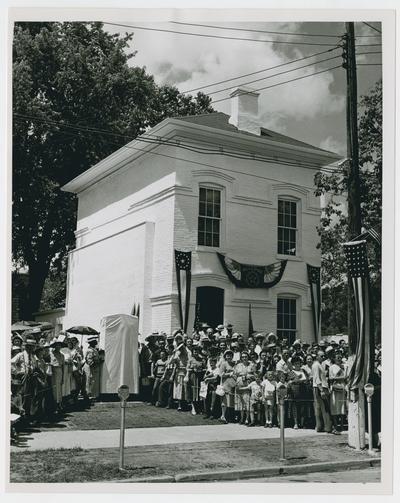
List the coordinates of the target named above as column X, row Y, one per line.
column 263, row 70
column 373, row 27
column 369, row 64
column 285, row 82
column 225, row 38
column 190, row 161
column 218, row 36
column 274, row 75
column 265, row 31
column 166, row 142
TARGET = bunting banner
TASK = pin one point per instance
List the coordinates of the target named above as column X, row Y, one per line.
column 357, row 265
column 252, row 276
column 183, row 266
column 314, row 278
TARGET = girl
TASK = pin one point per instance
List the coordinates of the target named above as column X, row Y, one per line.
column 268, row 387
column 68, row 370
column 338, row 394
column 244, row 371
column 255, row 390
column 228, row 383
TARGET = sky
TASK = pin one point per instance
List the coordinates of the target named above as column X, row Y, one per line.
column 310, row 109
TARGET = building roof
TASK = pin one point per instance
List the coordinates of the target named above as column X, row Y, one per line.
column 219, row 120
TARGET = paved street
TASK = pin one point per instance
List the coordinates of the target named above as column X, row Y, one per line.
column 353, row 476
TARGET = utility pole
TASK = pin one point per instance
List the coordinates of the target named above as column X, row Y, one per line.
column 356, row 437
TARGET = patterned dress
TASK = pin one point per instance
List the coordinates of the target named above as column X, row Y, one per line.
column 243, row 373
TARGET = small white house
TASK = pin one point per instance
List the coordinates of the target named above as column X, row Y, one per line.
column 205, row 184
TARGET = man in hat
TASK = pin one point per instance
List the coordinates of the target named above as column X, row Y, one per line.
column 24, row 367
column 321, row 395
column 92, row 369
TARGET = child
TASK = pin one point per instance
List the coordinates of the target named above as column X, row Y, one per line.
column 255, row 397
column 282, row 382
column 158, row 369
column 211, row 378
column 268, row 387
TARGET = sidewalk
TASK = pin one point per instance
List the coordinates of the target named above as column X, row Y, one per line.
column 135, row 437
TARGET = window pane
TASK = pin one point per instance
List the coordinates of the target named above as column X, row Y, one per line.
column 208, row 239
column 200, row 238
column 217, row 196
column 208, row 225
column 217, row 210
column 201, row 224
column 202, row 208
column 216, row 240
column 209, row 196
column 215, row 226
column 202, row 194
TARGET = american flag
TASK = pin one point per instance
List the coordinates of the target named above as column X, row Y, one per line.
column 357, row 264
column 314, row 278
column 183, row 266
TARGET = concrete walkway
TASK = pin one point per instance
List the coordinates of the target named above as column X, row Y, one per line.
column 95, row 439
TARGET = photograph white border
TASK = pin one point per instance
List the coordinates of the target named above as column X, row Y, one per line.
column 75, row 11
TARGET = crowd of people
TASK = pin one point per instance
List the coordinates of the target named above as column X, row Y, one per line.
column 48, row 377
column 218, row 373
column 231, row 378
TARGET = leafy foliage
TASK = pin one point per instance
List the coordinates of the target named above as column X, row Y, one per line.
column 76, row 74
column 333, row 228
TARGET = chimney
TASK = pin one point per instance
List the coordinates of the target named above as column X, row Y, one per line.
column 244, row 110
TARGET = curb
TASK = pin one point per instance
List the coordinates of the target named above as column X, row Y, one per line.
column 268, row 471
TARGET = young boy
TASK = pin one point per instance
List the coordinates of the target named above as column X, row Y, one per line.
column 269, row 388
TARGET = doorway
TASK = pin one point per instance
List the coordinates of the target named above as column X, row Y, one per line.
column 210, row 302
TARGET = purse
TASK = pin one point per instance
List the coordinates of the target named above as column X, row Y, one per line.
column 220, row 390
column 203, row 389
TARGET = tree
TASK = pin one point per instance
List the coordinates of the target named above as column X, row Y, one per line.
column 67, row 78
column 333, row 226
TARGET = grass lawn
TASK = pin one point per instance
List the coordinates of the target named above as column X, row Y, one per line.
column 106, row 416
column 79, row 465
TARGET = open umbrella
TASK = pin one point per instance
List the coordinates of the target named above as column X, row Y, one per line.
column 21, row 326
column 82, row 330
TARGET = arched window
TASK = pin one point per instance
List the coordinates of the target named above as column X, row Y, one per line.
column 209, row 218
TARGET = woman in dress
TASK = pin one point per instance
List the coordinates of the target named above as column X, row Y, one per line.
column 309, row 419
column 57, row 373
column 244, row 372
column 181, row 359
column 194, row 375
column 337, row 378
column 297, row 391
column 68, row 370
column 228, row 383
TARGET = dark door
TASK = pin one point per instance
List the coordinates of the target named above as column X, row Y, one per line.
column 210, row 301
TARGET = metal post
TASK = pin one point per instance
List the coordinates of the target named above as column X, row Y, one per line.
column 282, row 433
column 123, row 393
column 369, row 391
column 282, row 394
column 370, row 434
column 122, row 436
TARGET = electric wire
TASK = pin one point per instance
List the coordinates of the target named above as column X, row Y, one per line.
column 218, row 36
column 373, row 27
column 191, row 161
column 285, row 82
column 158, row 142
column 265, row 31
column 260, row 71
column 273, row 75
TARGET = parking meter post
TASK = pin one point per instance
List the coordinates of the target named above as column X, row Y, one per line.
column 369, row 391
column 122, row 436
column 282, row 392
column 123, row 393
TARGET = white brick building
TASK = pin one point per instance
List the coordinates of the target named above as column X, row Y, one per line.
column 143, row 201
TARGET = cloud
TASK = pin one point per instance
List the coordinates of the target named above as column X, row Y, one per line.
column 333, row 146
